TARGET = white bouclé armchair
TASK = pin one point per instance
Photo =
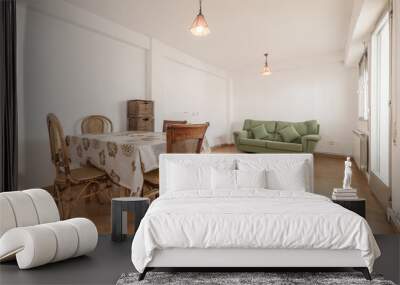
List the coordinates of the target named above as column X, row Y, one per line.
column 31, row 231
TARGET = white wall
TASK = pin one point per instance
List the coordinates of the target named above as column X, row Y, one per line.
column 324, row 91
column 74, row 63
column 185, row 88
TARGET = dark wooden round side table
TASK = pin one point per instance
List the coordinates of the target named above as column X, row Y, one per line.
column 119, row 218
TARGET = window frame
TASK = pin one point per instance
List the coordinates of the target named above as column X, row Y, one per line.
column 380, row 155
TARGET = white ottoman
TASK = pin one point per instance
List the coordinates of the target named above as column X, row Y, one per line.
column 31, row 232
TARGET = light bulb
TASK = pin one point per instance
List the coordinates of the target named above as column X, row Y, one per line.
column 266, row 71
column 199, row 27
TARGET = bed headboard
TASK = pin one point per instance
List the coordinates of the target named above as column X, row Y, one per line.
column 236, row 159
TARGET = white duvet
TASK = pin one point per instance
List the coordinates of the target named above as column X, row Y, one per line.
column 250, row 219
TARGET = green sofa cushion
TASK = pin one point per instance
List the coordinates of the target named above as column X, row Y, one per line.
column 259, row 132
column 273, row 137
column 312, row 127
column 269, row 125
column 301, row 128
column 281, row 125
column 289, row 133
column 254, row 142
column 285, row 146
column 298, row 140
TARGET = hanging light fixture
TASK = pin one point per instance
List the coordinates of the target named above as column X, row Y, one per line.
column 266, row 69
column 199, row 27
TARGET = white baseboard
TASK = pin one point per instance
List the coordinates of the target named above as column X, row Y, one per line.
column 393, row 218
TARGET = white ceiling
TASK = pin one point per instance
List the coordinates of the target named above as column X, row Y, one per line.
column 241, row 31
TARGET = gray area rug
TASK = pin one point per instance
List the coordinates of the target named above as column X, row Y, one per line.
column 229, row 278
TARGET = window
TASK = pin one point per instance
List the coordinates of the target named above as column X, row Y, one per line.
column 380, row 100
column 363, row 99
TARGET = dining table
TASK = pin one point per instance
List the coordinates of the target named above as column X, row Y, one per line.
column 124, row 156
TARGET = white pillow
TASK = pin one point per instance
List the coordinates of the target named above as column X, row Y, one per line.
column 291, row 179
column 251, row 178
column 223, row 179
column 282, row 174
column 182, row 177
column 235, row 179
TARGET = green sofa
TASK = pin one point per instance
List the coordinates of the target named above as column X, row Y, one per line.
column 277, row 136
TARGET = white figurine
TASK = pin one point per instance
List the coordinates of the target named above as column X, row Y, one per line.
column 347, row 174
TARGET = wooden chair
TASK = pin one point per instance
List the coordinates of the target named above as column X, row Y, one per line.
column 71, row 185
column 185, row 138
column 180, row 139
column 169, row 122
column 96, row 124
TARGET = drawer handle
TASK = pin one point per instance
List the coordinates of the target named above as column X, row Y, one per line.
column 145, row 119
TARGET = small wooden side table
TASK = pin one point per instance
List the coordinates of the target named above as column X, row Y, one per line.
column 357, row 205
column 119, row 218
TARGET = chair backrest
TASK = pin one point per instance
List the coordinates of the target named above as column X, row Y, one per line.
column 26, row 208
column 170, row 122
column 185, row 138
column 58, row 147
column 96, row 124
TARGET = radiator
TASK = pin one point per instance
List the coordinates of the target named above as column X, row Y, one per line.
column 360, row 150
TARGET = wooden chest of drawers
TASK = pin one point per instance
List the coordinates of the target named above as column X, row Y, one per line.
column 140, row 108
column 141, row 124
column 140, row 115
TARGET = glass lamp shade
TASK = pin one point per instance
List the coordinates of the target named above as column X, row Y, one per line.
column 199, row 27
column 266, row 70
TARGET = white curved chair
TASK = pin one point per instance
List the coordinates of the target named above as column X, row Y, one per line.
column 31, row 230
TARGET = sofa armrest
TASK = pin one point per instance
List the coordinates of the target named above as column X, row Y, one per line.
column 239, row 135
column 314, row 138
column 309, row 142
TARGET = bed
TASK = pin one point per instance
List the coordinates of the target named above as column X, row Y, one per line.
column 246, row 211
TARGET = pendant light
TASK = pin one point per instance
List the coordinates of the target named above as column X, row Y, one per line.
column 266, row 69
column 199, row 27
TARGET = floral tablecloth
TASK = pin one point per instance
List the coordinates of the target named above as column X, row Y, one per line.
column 123, row 155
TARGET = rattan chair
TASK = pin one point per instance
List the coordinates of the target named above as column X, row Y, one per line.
column 71, row 185
column 96, row 124
column 181, row 138
column 151, row 185
column 166, row 123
